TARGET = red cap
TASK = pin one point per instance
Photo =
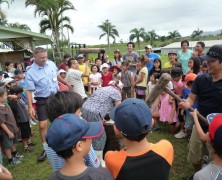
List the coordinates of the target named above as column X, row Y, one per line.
column 190, row 77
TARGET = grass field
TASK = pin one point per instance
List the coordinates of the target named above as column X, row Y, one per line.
column 29, row 169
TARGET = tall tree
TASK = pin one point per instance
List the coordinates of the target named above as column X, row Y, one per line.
column 151, row 36
column 137, row 34
column 53, row 19
column 109, row 30
column 196, row 33
column 19, row 26
column 174, row 34
column 3, row 20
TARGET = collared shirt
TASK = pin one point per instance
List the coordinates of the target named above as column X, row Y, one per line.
column 42, row 80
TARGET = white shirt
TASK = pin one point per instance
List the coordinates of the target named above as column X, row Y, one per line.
column 95, row 78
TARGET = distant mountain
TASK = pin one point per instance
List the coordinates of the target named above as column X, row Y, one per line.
column 212, row 33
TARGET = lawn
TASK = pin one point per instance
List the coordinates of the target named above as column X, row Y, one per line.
column 30, row 169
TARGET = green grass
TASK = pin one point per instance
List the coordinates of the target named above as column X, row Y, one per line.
column 30, row 169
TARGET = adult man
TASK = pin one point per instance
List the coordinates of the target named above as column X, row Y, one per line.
column 75, row 76
column 131, row 57
column 207, row 88
column 41, row 78
column 63, row 65
column 151, row 56
column 199, row 49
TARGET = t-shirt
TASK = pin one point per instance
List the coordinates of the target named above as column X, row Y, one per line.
column 150, row 87
column 88, row 174
column 95, row 78
column 82, row 68
column 7, row 117
column 167, row 65
column 210, row 172
column 131, row 58
column 209, row 95
column 126, row 78
column 63, row 66
column 184, row 58
column 117, row 62
column 144, row 82
column 186, row 93
column 177, row 86
column 151, row 57
column 153, row 163
column 63, row 87
column 75, row 77
column 106, row 79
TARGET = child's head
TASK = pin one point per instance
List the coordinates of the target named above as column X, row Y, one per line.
column 154, row 77
column 157, row 63
column 172, row 55
column 204, row 67
column 117, row 54
column 105, row 68
column 189, row 78
column 3, row 95
column 106, row 58
column 141, row 61
column 125, row 65
column 215, row 132
column 70, row 135
column 9, row 82
column 177, row 64
column 9, row 66
column 133, row 119
column 165, row 70
column 176, row 74
column 19, row 74
column 98, row 62
column 194, row 64
column 95, row 68
column 19, row 66
column 16, row 90
column 62, row 103
column 80, row 58
column 62, row 73
column 115, row 69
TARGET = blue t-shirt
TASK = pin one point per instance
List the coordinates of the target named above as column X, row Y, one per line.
column 23, row 84
column 131, row 58
column 151, row 57
column 184, row 58
column 186, row 93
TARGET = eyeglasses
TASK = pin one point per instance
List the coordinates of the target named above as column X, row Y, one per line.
column 214, row 54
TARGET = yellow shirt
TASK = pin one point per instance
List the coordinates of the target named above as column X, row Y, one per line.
column 167, row 65
column 144, row 82
column 82, row 68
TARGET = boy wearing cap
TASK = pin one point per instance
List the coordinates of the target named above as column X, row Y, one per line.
column 141, row 159
column 213, row 137
column 70, row 136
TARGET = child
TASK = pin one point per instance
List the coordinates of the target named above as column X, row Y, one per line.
column 203, row 68
column 153, row 81
column 117, row 61
column 126, row 77
column 189, row 120
column 94, row 78
column 115, row 71
column 70, row 136
column 107, row 61
column 141, row 159
column 63, row 87
column 213, row 137
column 98, row 62
column 178, row 86
column 22, row 118
column 194, row 65
column 8, row 130
column 141, row 80
column 172, row 55
column 177, row 64
column 106, row 75
column 156, row 66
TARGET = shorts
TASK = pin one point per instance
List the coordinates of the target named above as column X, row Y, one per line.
column 8, row 143
column 41, row 109
column 197, row 148
column 25, row 130
column 126, row 90
column 189, row 122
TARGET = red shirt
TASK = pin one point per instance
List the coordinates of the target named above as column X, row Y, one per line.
column 63, row 66
column 63, row 87
column 106, row 79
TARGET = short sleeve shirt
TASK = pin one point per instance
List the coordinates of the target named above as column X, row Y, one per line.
column 184, row 58
column 151, row 57
column 131, row 58
column 144, row 82
column 106, row 79
column 95, row 78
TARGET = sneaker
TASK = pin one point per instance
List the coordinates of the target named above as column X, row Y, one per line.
column 32, row 123
column 14, row 161
column 28, row 149
column 19, row 156
column 180, row 134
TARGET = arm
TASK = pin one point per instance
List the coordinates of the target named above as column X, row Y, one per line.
column 5, row 128
column 117, row 102
column 172, row 112
column 5, row 174
column 86, row 73
column 185, row 104
column 31, row 110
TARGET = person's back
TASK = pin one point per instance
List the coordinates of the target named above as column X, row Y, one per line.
column 141, row 159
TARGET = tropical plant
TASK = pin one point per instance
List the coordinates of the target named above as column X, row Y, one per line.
column 137, row 34
column 151, row 36
column 51, row 12
column 174, row 34
column 3, row 20
column 196, row 33
column 19, row 26
column 109, row 30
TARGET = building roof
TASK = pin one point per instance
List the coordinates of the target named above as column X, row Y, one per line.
column 192, row 44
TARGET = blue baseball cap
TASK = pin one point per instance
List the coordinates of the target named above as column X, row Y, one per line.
column 66, row 130
column 131, row 117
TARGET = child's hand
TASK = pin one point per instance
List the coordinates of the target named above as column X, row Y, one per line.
column 11, row 135
column 194, row 114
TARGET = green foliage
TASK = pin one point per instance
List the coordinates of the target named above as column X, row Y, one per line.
column 196, row 33
column 19, row 26
column 137, row 34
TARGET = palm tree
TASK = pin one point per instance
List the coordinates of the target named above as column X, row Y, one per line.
column 3, row 20
column 53, row 20
column 151, row 36
column 174, row 34
column 196, row 33
column 137, row 34
column 20, row 26
column 109, row 30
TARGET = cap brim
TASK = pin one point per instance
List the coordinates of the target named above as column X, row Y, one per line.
column 206, row 57
column 211, row 116
column 95, row 130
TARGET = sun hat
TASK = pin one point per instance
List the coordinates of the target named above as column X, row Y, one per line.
column 115, row 67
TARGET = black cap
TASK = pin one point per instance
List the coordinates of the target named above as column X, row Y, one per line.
column 18, row 71
column 214, row 53
column 176, row 72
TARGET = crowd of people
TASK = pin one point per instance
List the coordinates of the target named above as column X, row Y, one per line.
column 79, row 95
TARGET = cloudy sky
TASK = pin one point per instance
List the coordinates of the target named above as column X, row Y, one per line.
column 161, row 15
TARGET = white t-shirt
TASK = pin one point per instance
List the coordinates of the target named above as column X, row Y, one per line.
column 75, row 77
column 150, row 87
column 95, row 78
